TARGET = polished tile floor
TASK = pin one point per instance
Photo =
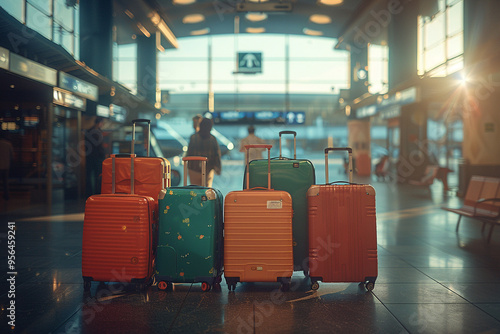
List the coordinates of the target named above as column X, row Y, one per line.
column 431, row 280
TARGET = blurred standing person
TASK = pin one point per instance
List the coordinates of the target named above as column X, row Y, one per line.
column 203, row 144
column 95, row 155
column 252, row 139
column 6, row 154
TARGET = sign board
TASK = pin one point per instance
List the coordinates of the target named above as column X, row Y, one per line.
column 249, row 62
column 69, row 100
column 30, row 69
column 259, row 117
column 390, row 112
column 366, row 111
column 102, row 111
column 78, row 86
column 118, row 113
column 4, row 58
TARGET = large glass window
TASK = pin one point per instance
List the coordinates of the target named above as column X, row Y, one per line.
column 125, row 65
column 378, row 69
column 294, row 64
column 14, row 8
column 441, row 40
column 39, row 21
column 56, row 20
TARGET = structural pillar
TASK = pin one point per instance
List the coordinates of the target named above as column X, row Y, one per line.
column 96, row 35
column 147, row 78
column 481, row 92
column 359, row 138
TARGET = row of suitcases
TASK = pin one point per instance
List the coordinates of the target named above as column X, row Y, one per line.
column 279, row 223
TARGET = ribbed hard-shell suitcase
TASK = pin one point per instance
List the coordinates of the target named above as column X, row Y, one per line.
column 258, row 234
column 342, row 231
column 151, row 174
column 190, row 243
column 119, row 238
column 294, row 176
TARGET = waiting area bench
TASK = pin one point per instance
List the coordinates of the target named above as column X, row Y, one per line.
column 482, row 202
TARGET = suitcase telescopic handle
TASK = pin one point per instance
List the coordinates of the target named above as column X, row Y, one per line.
column 294, row 142
column 349, row 150
column 203, row 169
column 134, row 122
column 268, row 147
column 113, row 171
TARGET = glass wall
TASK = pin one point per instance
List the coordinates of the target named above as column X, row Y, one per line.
column 125, row 65
column 441, row 40
column 378, row 69
column 56, row 20
column 293, row 64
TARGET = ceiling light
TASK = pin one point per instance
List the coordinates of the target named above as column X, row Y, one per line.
column 330, row 2
column 183, row 2
column 251, row 30
column 257, row 0
column 193, row 18
column 320, row 19
column 311, row 32
column 256, row 17
column 200, row 32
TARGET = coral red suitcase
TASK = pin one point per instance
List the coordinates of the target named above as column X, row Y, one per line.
column 119, row 237
column 342, row 231
column 151, row 174
column 258, row 234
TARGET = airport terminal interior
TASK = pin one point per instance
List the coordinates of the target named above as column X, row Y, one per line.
column 411, row 86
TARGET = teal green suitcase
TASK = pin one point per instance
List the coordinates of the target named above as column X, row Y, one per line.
column 190, row 236
column 294, row 176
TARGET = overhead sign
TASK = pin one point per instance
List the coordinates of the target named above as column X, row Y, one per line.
column 118, row 113
column 366, row 111
column 69, row 100
column 102, row 111
column 249, row 62
column 4, row 58
column 78, row 86
column 30, row 69
column 259, row 117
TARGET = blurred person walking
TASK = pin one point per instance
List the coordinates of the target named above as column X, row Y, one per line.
column 252, row 139
column 95, row 155
column 7, row 155
column 203, row 144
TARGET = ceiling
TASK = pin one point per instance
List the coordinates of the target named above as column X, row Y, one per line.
column 218, row 17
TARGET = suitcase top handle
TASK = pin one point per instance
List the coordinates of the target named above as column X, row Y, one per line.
column 203, row 169
column 141, row 120
column 113, row 171
column 268, row 147
column 294, row 142
column 349, row 150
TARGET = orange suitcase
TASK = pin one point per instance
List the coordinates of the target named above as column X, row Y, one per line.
column 119, row 238
column 342, row 231
column 258, row 234
column 151, row 174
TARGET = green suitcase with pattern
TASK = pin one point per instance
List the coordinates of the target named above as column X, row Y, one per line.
column 190, row 236
column 294, row 176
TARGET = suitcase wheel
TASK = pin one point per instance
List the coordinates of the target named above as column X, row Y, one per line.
column 314, row 286
column 285, row 287
column 369, row 286
column 162, row 285
column 231, row 286
column 205, row 287
column 140, row 286
column 86, row 285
